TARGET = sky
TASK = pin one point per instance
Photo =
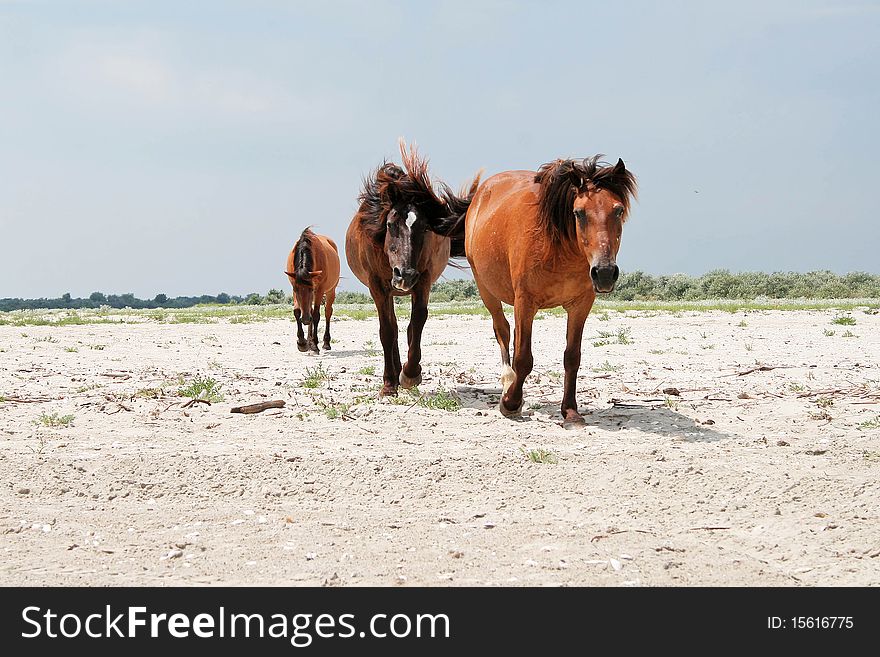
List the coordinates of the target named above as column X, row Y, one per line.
column 181, row 147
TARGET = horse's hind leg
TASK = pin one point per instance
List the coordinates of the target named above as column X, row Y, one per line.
column 502, row 334
column 411, row 373
column 512, row 399
column 328, row 313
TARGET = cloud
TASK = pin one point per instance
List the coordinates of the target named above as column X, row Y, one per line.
column 147, row 73
column 142, row 77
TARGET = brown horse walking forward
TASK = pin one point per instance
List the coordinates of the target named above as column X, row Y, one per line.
column 540, row 240
column 393, row 249
column 313, row 271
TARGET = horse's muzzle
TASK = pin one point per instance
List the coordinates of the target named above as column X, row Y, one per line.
column 604, row 278
column 404, row 279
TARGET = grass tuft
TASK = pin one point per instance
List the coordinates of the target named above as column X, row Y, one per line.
column 202, row 387
column 55, row 420
column 540, row 455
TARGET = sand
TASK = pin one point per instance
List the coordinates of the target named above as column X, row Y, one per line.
column 753, row 479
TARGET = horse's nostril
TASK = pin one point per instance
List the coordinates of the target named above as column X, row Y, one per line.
column 594, row 272
column 396, row 272
column 616, row 273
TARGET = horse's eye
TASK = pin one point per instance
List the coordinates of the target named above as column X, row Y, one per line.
column 618, row 211
column 581, row 215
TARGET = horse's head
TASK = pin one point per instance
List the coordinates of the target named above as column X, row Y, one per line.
column 413, row 208
column 304, row 293
column 599, row 215
column 302, row 277
column 404, row 237
column 599, row 196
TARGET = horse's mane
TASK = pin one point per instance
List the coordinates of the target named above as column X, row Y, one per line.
column 416, row 186
column 302, row 257
column 562, row 180
column 389, row 184
column 375, row 201
column 457, row 206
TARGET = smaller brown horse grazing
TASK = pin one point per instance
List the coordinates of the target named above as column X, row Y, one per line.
column 540, row 240
column 313, row 271
column 392, row 248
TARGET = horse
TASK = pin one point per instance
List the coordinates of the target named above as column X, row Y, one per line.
column 392, row 247
column 313, row 272
column 539, row 240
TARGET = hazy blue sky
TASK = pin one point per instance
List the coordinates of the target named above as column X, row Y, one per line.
column 180, row 147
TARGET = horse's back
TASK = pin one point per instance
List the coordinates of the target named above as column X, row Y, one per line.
column 498, row 229
column 331, row 265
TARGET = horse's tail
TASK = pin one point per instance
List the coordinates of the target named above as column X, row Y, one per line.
column 452, row 225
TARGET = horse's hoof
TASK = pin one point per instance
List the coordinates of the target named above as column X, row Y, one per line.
column 517, row 412
column 302, row 346
column 313, row 350
column 326, row 346
column 388, row 391
column 573, row 421
column 407, row 383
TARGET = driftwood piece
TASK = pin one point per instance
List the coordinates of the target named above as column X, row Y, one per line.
column 761, row 368
column 193, row 402
column 258, row 408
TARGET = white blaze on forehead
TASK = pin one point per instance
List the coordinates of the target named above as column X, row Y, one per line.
column 410, row 219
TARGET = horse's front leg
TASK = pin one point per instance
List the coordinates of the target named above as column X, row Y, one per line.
column 577, row 316
column 411, row 374
column 512, row 397
column 300, row 336
column 313, row 328
column 388, row 337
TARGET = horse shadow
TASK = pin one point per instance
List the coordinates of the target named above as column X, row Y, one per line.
column 654, row 418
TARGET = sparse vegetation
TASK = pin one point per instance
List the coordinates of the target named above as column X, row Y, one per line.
column 848, row 334
column 742, row 324
column 315, row 376
column 370, row 348
column 442, row 400
column 334, row 411
column 844, row 320
column 539, row 455
column 824, row 402
column 828, row 333
column 54, row 420
column 607, row 367
column 671, row 404
column 150, row 393
column 71, row 350
column 202, row 387
column 620, row 336
column 873, row 423
column 368, row 370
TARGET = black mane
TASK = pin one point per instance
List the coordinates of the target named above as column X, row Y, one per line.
column 374, row 199
column 302, row 258
column 562, row 180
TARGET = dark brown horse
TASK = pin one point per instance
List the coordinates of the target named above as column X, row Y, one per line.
column 393, row 249
column 540, row 240
column 313, row 272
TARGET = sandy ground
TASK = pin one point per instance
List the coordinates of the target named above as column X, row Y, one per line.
column 765, row 478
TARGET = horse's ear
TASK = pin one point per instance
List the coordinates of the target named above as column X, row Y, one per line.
column 620, row 167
